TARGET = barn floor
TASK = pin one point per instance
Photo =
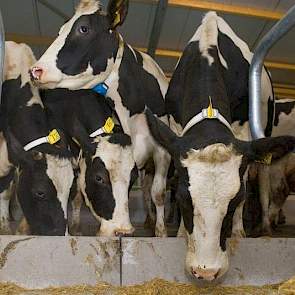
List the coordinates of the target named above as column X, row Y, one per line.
column 138, row 216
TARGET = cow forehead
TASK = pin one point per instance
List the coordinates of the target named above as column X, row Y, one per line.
column 117, row 159
column 213, row 175
column 87, row 10
column 60, row 171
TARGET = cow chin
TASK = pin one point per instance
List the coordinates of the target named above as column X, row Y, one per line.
column 112, row 229
column 196, row 267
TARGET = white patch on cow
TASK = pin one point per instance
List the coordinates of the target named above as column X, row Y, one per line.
column 18, row 60
column 207, row 35
column 213, row 181
column 286, row 124
column 175, row 127
column 5, row 197
column 153, row 68
column 5, row 164
column 241, row 132
column 119, row 162
column 88, row 5
column 60, row 171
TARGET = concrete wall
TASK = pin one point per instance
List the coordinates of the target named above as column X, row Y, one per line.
column 39, row 262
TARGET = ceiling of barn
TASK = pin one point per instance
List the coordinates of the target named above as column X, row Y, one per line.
column 32, row 22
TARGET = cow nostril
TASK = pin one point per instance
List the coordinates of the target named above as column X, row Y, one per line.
column 36, row 73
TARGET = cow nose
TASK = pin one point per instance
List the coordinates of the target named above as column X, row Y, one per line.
column 36, row 73
column 121, row 232
column 205, row 274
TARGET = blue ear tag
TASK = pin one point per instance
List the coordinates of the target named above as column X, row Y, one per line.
column 101, row 89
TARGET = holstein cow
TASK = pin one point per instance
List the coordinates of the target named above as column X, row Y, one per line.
column 90, row 54
column 208, row 84
column 281, row 172
column 41, row 155
column 107, row 167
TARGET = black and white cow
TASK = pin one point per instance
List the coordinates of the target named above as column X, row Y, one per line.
column 90, row 54
column 107, row 167
column 45, row 171
column 206, row 92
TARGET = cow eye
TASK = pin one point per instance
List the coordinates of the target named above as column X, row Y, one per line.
column 84, row 30
column 40, row 195
column 99, row 179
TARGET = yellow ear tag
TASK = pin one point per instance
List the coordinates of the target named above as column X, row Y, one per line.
column 53, row 137
column 266, row 160
column 117, row 19
column 109, row 125
column 210, row 112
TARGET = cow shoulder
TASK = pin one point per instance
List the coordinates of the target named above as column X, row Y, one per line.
column 137, row 87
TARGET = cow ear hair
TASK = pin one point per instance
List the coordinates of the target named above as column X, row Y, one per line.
column 162, row 133
column 117, row 12
column 264, row 149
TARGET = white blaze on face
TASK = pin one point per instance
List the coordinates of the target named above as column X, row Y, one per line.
column 213, row 182
column 53, row 77
column 119, row 162
column 61, row 173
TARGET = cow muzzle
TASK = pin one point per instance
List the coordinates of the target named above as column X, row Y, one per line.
column 36, row 73
column 205, row 274
column 108, row 230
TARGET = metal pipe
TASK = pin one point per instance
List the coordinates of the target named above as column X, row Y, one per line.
column 2, row 53
column 267, row 42
column 157, row 27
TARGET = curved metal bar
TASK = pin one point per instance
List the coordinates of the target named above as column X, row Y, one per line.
column 2, row 53
column 267, row 42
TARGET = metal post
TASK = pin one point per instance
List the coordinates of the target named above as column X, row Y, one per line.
column 267, row 42
column 157, row 27
column 2, row 53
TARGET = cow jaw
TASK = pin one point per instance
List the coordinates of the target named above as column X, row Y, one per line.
column 213, row 181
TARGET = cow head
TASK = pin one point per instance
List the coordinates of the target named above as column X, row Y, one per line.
column 85, row 50
column 105, row 178
column 43, row 188
column 45, row 171
column 209, row 190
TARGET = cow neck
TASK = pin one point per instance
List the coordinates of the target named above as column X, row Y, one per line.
column 208, row 113
column 102, row 88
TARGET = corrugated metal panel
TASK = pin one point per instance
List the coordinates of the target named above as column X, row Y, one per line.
column 138, row 23
column 18, row 16
column 174, row 24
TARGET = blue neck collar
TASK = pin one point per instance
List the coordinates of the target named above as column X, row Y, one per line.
column 101, row 88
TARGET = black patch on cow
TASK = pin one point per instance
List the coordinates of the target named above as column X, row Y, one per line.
column 38, row 198
column 99, row 188
column 137, row 87
column 285, row 108
column 28, row 122
column 270, row 116
column 6, row 180
column 120, row 139
column 227, row 223
column 94, row 48
column 184, row 200
column 182, row 81
column 133, row 177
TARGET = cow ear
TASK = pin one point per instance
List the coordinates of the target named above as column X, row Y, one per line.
column 162, row 133
column 16, row 152
column 268, row 148
column 117, row 12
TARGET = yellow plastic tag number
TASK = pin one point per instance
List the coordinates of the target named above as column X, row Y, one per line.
column 53, row 137
column 109, row 125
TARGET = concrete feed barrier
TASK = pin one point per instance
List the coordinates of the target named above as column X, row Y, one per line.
column 39, row 262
